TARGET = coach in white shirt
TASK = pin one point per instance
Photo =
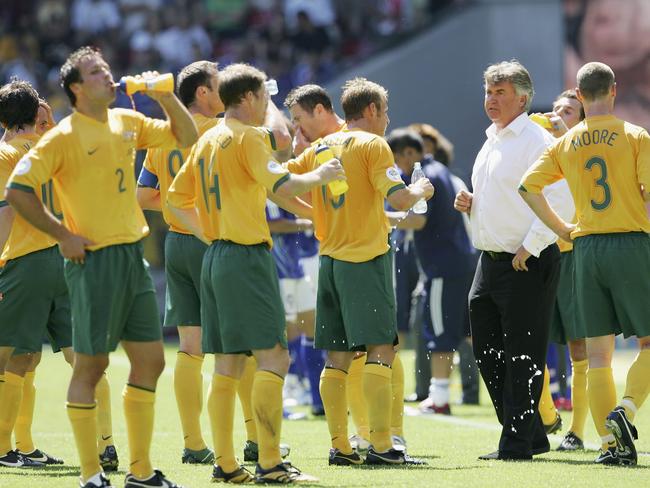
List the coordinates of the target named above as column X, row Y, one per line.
column 514, row 287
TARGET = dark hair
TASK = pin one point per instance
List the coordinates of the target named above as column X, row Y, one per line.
column 358, row 93
column 70, row 72
column 595, row 80
column 308, row 96
column 403, row 138
column 237, row 80
column 573, row 96
column 193, row 76
column 18, row 104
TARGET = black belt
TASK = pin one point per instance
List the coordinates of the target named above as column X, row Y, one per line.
column 500, row 256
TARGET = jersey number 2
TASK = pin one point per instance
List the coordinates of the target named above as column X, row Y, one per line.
column 602, row 182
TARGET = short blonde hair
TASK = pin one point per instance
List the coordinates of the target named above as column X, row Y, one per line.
column 358, row 93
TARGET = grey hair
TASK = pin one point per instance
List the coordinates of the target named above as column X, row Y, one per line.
column 514, row 72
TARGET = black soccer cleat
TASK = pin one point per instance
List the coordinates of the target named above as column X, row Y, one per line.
column 41, row 457
column 571, row 442
column 625, row 434
column 240, row 475
column 337, row 458
column 108, row 459
column 13, row 459
column 391, row 457
column 156, row 480
column 554, row 426
column 608, row 457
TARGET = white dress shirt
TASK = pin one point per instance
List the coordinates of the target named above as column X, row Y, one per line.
column 500, row 219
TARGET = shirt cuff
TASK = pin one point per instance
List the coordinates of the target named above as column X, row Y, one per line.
column 535, row 243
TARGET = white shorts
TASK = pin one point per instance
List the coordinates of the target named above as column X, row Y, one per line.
column 297, row 297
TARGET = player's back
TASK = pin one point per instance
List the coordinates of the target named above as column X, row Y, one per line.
column 605, row 160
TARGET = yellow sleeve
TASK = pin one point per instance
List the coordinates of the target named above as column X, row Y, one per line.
column 643, row 160
column 39, row 165
column 264, row 169
column 383, row 174
column 304, row 163
column 154, row 133
column 182, row 193
column 542, row 173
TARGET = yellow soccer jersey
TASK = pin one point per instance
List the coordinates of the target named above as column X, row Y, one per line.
column 92, row 166
column 161, row 166
column 23, row 237
column 604, row 160
column 353, row 227
column 226, row 178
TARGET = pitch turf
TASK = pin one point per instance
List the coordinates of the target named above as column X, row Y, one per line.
column 450, row 444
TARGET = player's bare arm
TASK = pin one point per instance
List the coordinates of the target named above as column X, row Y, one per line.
column 299, row 184
column 406, row 220
column 190, row 219
column 276, row 123
column 405, row 198
column 182, row 123
column 538, row 203
column 72, row 246
column 148, row 198
column 294, row 205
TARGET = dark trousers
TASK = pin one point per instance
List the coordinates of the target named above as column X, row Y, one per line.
column 510, row 314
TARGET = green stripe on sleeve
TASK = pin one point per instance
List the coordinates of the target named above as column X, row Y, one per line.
column 399, row 186
column 17, row 186
column 3, row 203
column 522, row 188
column 281, row 181
column 272, row 139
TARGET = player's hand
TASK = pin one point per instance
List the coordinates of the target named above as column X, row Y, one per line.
column 423, row 186
column 519, row 261
column 565, row 232
column 153, row 94
column 300, row 142
column 48, row 122
column 331, row 171
column 73, row 247
column 304, row 225
column 463, row 201
column 559, row 128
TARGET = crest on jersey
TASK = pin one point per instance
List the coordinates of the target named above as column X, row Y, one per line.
column 393, row 175
column 275, row 167
column 23, row 166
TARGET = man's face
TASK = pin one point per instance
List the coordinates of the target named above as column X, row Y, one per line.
column 44, row 120
column 97, row 81
column 502, row 104
column 306, row 121
column 382, row 118
column 569, row 110
column 214, row 101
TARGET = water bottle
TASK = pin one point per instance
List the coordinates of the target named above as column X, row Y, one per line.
column 323, row 155
column 420, row 206
column 541, row 120
column 161, row 83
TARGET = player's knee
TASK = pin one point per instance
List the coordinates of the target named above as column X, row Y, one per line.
column 20, row 364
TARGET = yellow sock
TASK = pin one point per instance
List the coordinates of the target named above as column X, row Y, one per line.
column 245, row 392
column 637, row 385
column 333, row 393
column 579, row 398
column 267, row 406
column 12, row 395
column 104, row 420
column 378, row 392
column 546, row 406
column 397, row 407
column 356, row 398
column 188, row 387
column 221, row 410
column 602, row 400
column 82, row 418
column 138, row 413
column 23, row 427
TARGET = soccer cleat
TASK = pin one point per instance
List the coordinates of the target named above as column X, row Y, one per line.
column 204, row 456
column 282, row 473
column 399, row 443
column 625, row 433
column 428, row 407
column 359, row 443
column 608, row 457
column 337, row 458
column 97, row 481
column 251, row 451
column 157, row 480
column 571, row 442
column 391, row 457
column 108, row 459
column 13, row 459
column 41, row 457
column 555, row 426
column 240, row 475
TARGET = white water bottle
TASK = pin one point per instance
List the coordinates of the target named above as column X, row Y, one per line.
column 420, row 206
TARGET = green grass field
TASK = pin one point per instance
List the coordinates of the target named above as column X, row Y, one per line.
column 450, row 444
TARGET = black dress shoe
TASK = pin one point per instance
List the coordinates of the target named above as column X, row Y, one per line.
column 541, row 449
column 504, row 456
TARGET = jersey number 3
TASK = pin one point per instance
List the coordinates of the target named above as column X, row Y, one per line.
column 601, row 182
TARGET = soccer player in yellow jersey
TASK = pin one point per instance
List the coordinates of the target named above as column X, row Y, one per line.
column 220, row 195
column 356, row 304
column 90, row 156
column 606, row 162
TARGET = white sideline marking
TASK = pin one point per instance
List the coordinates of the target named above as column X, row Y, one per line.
column 448, row 419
